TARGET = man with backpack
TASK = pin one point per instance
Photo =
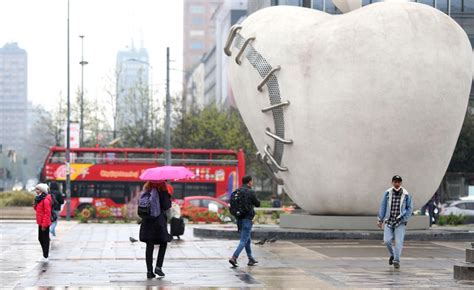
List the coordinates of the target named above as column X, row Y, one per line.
column 57, row 201
column 242, row 202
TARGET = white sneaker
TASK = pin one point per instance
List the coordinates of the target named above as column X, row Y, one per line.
column 44, row 260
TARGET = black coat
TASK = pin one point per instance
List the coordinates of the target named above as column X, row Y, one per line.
column 252, row 200
column 156, row 229
column 59, row 198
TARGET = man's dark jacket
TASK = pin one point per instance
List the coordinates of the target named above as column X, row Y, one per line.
column 251, row 199
column 59, row 198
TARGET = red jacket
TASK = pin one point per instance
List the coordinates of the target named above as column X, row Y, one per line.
column 43, row 212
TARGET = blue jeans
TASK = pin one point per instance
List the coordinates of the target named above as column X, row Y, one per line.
column 245, row 242
column 397, row 234
column 52, row 228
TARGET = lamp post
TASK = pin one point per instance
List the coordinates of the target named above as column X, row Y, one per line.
column 82, row 63
column 68, row 165
column 168, row 111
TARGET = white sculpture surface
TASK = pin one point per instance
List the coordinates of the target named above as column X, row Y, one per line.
column 378, row 91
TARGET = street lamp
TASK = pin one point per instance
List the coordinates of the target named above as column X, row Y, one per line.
column 168, row 111
column 82, row 63
column 68, row 144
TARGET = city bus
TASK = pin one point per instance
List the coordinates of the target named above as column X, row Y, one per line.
column 109, row 177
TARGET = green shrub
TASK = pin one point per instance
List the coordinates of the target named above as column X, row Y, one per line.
column 16, row 198
column 260, row 217
column 266, row 203
column 275, row 215
column 442, row 220
column 451, row 219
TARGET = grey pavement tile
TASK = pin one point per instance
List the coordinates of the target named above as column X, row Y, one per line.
column 101, row 256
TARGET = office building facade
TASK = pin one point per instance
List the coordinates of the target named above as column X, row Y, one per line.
column 132, row 81
column 13, row 97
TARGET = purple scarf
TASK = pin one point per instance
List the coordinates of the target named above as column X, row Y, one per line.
column 154, row 203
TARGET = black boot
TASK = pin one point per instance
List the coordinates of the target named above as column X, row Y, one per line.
column 159, row 272
column 233, row 261
column 252, row 262
column 390, row 261
column 150, row 275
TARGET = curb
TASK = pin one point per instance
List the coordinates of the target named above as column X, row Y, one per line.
column 260, row 233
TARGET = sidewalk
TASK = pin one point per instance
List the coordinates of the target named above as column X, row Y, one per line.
column 100, row 255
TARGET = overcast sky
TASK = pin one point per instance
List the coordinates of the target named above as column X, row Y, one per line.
column 40, row 27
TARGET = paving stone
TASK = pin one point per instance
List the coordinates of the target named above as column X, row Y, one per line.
column 101, row 256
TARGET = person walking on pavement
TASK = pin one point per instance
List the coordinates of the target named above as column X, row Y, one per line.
column 395, row 209
column 244, row 221
column 56, row 194
column 42, row 206
column 154, row 230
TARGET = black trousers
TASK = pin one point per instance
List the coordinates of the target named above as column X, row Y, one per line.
column 149, row 255
column 43, row 237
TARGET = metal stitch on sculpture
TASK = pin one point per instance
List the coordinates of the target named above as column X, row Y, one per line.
column 264, row 68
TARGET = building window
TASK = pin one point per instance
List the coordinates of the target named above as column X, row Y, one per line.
column 197, row 45
column 196, row 9
column 462, row 6
column 291, row 2
column 197, row 21
column 196, row 33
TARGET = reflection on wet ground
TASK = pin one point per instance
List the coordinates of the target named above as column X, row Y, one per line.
column 101, row 255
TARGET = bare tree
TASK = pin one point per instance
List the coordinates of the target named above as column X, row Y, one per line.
column 113, row 91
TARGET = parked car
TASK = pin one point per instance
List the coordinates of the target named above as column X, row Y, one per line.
column 201, row 204
column 204, row 203
column 458, row 207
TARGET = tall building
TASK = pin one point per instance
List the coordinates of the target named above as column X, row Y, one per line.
column 13, row 97
column 216, row 87
column 132, row 73
column 198, row 30
column 228, row 14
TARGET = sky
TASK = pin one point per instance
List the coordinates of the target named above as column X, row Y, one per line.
column 40, row 27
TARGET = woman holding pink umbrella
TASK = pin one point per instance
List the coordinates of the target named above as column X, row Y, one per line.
column 153, row 202
column 153, row 228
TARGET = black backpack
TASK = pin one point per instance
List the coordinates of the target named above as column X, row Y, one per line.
column 54, row 216
column 239, row 204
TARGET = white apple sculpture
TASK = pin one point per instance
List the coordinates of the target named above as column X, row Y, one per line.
column 345, row 102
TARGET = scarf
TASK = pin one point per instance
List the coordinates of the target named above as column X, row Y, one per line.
column 155, row 208
column 40, row 197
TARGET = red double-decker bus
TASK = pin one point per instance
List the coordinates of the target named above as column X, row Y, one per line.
column 109, row 176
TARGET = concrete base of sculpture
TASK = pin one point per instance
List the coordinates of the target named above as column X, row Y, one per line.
column 465, row 271
column 321, row 222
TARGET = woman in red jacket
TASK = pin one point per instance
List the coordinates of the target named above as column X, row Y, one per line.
column 42, row 206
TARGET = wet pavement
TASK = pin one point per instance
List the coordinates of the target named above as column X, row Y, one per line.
column 101, row 255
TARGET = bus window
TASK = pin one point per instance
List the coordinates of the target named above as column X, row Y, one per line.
column 58, row 157
column 80, row 189
column 86, row 157
column 115, row 191
column 196, row 159
column 224, row 159
column 193, row 189
column 178, row 190
column 112, row 157
column 140, row 157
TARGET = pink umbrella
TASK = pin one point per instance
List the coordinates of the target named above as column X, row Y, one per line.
column 166, row 172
